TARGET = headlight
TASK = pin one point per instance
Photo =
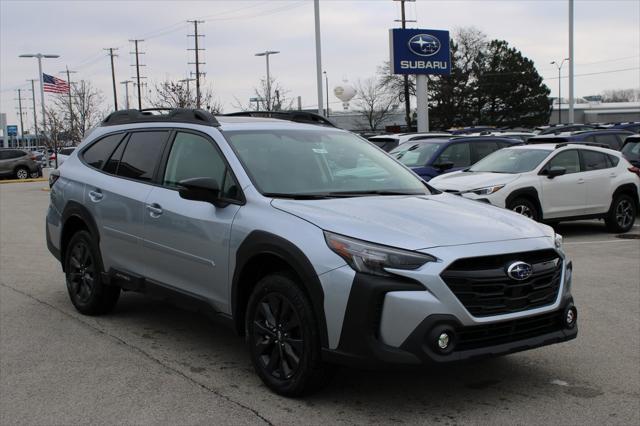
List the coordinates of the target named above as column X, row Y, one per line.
column 372, row 258
column 558, row 241
column 487, row 190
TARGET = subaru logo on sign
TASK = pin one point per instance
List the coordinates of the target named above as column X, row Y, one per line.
column 424, row 45
column 519, row 271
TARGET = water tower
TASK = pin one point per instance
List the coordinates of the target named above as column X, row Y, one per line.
column 345, row 92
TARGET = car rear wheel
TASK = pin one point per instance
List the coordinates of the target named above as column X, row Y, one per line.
column 22, row 173
column 282, row 333
column 525, row 207
column 622, row 214
column 83, row 267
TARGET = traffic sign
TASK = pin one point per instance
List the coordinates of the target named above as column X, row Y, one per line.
column 12, row 130
column 419, row 51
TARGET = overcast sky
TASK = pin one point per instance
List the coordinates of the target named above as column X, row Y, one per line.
column 354, row 40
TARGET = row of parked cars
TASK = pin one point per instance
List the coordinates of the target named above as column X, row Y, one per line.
column 25, row 163
column 546, row 176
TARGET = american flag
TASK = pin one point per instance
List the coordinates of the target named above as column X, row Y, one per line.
column 54, row 85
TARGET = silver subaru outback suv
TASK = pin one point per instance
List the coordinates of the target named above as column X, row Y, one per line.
column 309, row 241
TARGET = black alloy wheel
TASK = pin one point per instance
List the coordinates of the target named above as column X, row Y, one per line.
column 82, row 273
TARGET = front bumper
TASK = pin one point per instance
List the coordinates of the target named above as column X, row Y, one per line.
column 392, row 320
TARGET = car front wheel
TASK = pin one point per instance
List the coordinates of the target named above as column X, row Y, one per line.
column 22, row 173
column 524, row 207
column 282, row 333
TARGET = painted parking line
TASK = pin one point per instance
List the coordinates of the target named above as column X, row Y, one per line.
column 601, row 242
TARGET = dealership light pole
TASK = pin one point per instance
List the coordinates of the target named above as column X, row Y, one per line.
column 316, row 12
column 571, row 117
column 326, row 81
column 559, row 66
column 44, row 117
column 266, row 54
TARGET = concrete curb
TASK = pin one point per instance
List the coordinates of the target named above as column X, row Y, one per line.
column 22, row 180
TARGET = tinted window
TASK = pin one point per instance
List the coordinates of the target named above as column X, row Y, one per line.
column 141, row 155
column 482, row 149
column 15, row 153
column 613, row 160
column 98, row 153
column 594, row 160
column 609, row 140
column 4, row 154
column 194, row 156
column 457, row 153
column 567, row 159
column 112, row 163
column 67, row 151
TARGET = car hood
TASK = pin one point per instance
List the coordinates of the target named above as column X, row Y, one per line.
column 465, row 181
column 414, row 222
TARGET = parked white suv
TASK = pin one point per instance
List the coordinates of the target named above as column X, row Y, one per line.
column 553, row 183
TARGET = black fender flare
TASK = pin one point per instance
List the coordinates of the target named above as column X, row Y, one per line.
column 529, row 192
column 74, row 209
column 630, row 189
column 259, row 243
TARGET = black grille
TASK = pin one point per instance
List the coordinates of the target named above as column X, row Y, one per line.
column 483, row 287
column 508, row 331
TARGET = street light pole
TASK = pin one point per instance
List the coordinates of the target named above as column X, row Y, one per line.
column 316, row 13
column 266, row 55
column 326, row 81
column 559, row 87
column 44, row 116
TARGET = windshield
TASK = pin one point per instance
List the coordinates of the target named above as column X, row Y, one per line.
column 511, row 161
column 415, row 155
column 323, row 163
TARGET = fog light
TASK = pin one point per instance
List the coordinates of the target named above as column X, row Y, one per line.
column 570, row 317
column 443, row 341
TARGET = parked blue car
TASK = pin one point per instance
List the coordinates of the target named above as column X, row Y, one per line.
column 612, row 139
column 429, row 158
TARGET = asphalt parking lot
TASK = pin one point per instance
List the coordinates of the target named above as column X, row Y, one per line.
column 149, row 363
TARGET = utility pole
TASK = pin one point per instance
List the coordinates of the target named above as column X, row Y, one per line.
column 571, row 117
column 407, row 98
column 35, row 115
column 20, row 110
column 187, row 81
column 316, row 13
column 137, row 65
column 197, row 63
column 126, row 92
column 71, row 117
column 113, row 76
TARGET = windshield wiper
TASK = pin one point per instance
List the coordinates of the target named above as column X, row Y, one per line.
column 372, row 192
column 321, row 196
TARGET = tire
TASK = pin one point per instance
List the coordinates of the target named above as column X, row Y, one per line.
column 22, row 173
column 83, row 266
column 283, row 338
column 34, row 175
column 525, row 207
column 621, row 215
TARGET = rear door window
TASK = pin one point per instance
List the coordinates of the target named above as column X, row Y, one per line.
column 142, row 155
column 458, row 153
column 99, row 152
column 482, row 149
column 594, row 160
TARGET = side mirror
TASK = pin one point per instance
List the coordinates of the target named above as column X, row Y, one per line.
column 446, row 165
column 201, row 189
column 555, row 171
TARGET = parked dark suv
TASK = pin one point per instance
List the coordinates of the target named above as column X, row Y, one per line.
column 612, row 139
column 19, row 163
column 429, row 158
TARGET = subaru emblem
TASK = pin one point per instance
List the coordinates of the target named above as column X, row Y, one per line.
column 519, row 271
column 424, row 45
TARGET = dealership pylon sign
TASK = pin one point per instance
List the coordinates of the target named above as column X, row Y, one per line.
column 420, row 52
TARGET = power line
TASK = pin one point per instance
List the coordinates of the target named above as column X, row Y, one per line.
column 597, row 73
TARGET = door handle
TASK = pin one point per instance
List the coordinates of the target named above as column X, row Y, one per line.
column 580, row 181
column 154, row 209
column 612, row 175
column 96, row 195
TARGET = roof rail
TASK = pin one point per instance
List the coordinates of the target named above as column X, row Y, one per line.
column 182, row 115
column 296, row 116
column 598, row 145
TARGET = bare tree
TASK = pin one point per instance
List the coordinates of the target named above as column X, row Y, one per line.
column 621, row 95
column 86, row 111
column 172, row 94
column 374, row 101
column 269, row 97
